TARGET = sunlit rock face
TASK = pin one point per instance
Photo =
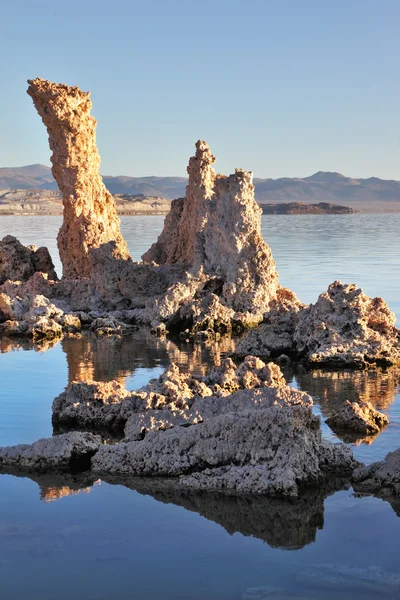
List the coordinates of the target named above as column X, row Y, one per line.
column 90, row 217
column 181, row 239
column 215, row 233
column 347, row 327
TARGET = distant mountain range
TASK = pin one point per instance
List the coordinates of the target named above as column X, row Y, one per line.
column 320, row 187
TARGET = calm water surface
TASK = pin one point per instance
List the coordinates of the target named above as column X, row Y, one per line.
column 63, row 537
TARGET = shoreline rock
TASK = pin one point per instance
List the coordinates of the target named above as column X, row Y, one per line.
column 360, row 417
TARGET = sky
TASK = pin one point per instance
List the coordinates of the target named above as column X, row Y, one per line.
column 283, row 88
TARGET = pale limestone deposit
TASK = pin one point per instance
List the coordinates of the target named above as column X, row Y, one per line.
column 61, row 452
column 380, row 478
column 360, row 417
column 90, row 217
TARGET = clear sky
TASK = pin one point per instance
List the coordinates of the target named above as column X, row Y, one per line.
column 279, row 87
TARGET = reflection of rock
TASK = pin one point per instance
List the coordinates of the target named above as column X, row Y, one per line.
column 68, row 451
column 380, row 478
column 281, row 523
column 19, row 263
column 92, row 357
column 359, row 417
column 14, row 344
column 56, row 485
column 331, row 388
column 90, row 216
column 346, row 326
column 370, row 580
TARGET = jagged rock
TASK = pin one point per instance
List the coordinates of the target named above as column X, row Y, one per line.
column 26, row 310
column 68, row 451
column 90, row 217
column 347, row 327
column 172, row 399
column 360, row 417
column 215, row 232
column 92, row 404
column 140, row 423
column 380, row 478
column 19, row 263
column 274, row 451
column 274, row 335
column 181, row 240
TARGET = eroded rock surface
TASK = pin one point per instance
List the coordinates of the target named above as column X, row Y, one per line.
column 380, row 478
column 90, row 217
column 360, row 417
column 345, row 326
column 67, row 451
column 174, row 398
column 215, row 233
column 274, row 451
column 19, row 263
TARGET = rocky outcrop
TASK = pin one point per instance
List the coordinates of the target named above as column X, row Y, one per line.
column 26, row 310
column 175, row 398
column 380, row 478
column 19, row 263
column 275, row 451
column 359, row 417
column 215, row 234
column 347, row 327
column 90, row 218
column 275, row 335
column 70, row 451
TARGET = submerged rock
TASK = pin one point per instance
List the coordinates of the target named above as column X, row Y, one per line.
column 360, row 417
column 90, row 216
column 380, row 478
column 70, row 451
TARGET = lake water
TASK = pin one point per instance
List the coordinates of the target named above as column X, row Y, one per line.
column 76, row 537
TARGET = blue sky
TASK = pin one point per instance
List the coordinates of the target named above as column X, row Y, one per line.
column 279, row 87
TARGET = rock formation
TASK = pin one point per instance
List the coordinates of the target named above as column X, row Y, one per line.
column 175, row 398
column 345, row 327
column 90, row 217
column 360, row 417
column 274, row 450
column 19, row 263
column 68, row 451
column 380, row 478
column 215, row 233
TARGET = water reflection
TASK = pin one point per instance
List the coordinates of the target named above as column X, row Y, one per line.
column 331, row 388
column 288, row 524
